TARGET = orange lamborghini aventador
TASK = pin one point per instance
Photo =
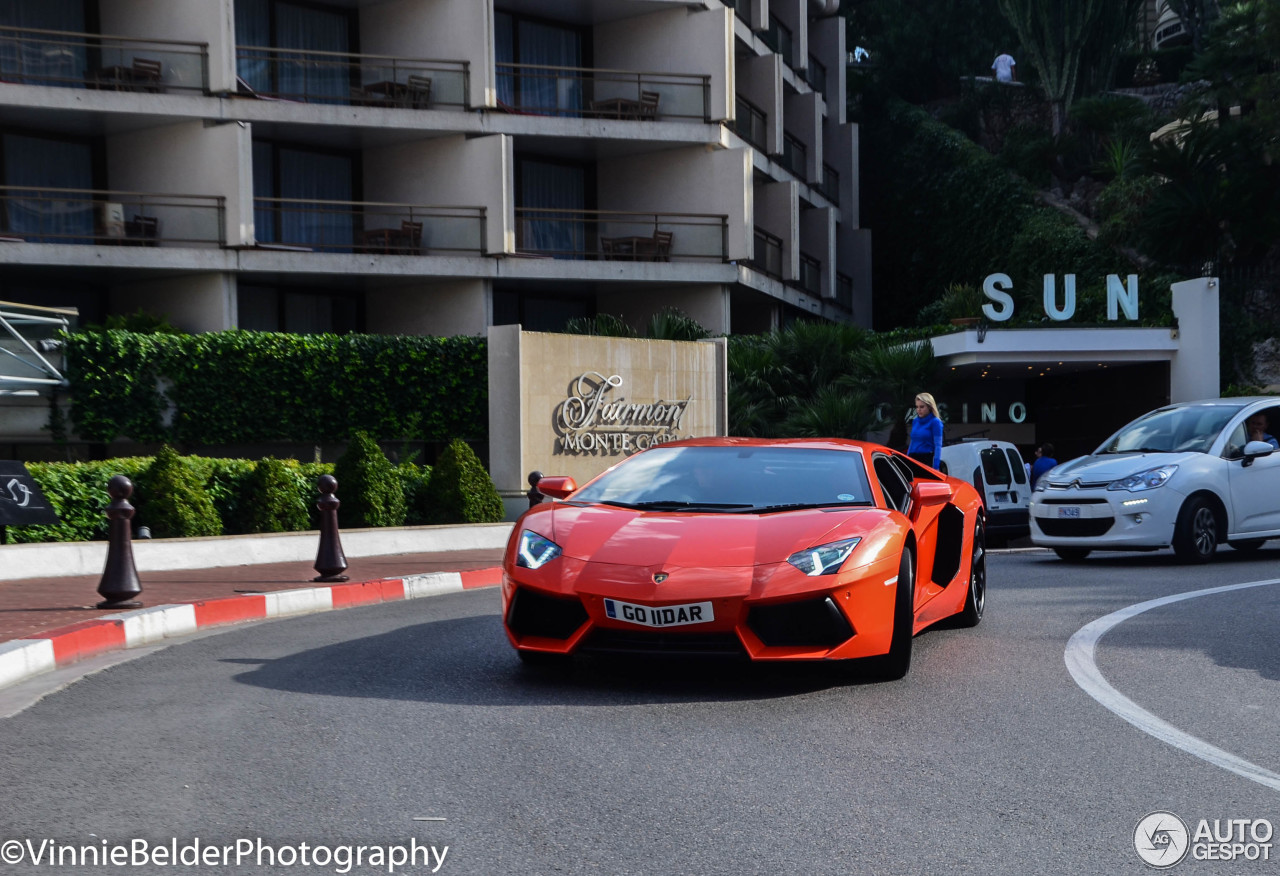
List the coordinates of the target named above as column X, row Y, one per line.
column 795, row 549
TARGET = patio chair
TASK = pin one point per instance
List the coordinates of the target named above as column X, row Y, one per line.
column 145, row 74
column 662, row 245
column 648, row 105
column 419, row 91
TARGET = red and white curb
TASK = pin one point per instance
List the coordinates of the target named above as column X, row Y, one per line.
column 23, row 658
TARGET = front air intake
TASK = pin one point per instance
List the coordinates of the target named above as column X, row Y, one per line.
column 813, row 623
column 536, row 614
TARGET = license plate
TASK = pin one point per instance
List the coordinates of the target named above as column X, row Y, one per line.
column 659, row 615
column 1068, row 511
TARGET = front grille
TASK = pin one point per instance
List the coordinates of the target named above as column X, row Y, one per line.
column 1092, row 485
column 536, row 614
column 1073, row 501
column 606, row 641
column 1083, row 528
column 812, row 623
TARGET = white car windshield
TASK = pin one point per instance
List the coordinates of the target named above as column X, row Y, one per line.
column 1192, row 428
column 740, row 479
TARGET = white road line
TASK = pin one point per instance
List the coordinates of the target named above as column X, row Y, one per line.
column 1079, row 657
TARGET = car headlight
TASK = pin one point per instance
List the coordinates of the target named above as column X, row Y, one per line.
column 1144, row 480
column 824, row 559
column 535, row 550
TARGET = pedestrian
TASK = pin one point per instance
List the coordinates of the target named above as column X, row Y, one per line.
column 1044, row 462
column 926, row 432
column 1006, row 68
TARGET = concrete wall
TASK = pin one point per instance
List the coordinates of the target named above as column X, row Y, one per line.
column 194, row 303
column 453, row 171
column 695, row 41
column 689, row 180
column 804, row 121
column 842, row 153
column 189, row 159
column 442, row 30
column 827, row 42
column 818, row 239
column 437, row 309
column 197, row 21
column 1194, row 371
column 759, row 80
column 709, row 305
column 531, row 375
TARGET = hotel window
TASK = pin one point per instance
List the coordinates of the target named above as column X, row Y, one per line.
column 267, row 309
column 303, row 179
column 36, row 165
column 283, row 25
column 26, row 57
column 547, row 57
column 552, row 200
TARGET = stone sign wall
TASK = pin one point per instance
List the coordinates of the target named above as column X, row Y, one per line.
column 575, row 405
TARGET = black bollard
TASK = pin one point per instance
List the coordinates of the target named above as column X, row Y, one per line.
column 330, row 561
column 119, row 584
column 534, row 497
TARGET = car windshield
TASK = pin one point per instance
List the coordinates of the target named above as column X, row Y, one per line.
column 733, row 479
column 1191, row 428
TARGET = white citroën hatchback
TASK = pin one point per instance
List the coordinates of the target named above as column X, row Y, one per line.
column 1184, row 475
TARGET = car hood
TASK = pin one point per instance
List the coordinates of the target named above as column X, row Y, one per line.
column 1105, row 468
column 601, row 534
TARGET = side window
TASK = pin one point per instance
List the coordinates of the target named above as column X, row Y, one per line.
column 995, row 466
column 1234, row 448
column 895, row 489
column 1015, row 463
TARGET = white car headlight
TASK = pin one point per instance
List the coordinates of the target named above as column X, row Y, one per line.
column 535, row 550
column 1144, row 480
column 824, row 559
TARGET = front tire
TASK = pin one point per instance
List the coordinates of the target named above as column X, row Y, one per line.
column 1247, row 546
column 1071, row 555
column 897, row 662
column 1195, row 536
column 976, row 600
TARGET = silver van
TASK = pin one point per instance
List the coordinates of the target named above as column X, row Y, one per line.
column 996, row 470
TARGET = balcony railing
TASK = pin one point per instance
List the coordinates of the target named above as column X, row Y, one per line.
column 536, row 89
column 844, row 291
column 810, row 279
column 817, row 76
column 750, row 123
column 794, row 155
column 621, row 236
column 768, row 254
column 359, row 80
column 368, row 227
column 113, row 63
column 105, row 217
column 830, row 187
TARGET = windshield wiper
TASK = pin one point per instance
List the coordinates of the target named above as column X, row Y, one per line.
column 674, row 505
column 797, row 506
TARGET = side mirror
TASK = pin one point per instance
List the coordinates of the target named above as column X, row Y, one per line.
column 1256, row 449
column 558, row 487
column 930, row 493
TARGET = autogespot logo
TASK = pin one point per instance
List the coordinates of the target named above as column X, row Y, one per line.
column 1161, row 839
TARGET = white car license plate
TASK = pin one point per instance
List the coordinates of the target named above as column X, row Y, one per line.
column 660, row 615
column 1068, row 511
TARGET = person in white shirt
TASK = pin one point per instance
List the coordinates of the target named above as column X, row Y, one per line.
column 1006, row 68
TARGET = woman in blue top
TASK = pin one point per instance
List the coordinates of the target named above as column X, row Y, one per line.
column 926, row 432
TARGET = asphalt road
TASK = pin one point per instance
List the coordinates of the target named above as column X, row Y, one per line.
column 343, row 728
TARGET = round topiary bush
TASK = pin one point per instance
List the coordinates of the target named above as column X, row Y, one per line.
column 368, row 487
column 172, row 500
column 461, row 490
column 273, row 499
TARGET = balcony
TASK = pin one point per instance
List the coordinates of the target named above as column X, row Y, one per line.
column 750, row 123
column 104, row 217
column 607, row 235
column 109, row 63
column 844, row 291
column 810, row 279
column 779, row 38
column 794, row 155
column 830, row 187
column 533, row 89
column 306, row 225
column 768, row 254
column 358, row 80
column 816, row 76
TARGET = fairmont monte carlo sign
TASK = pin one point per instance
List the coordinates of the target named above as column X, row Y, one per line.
column 596, row 418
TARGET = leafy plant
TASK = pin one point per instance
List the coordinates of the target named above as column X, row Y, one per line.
column 274, row 497
column 172, row 500
column 415, row 481
column 461, row 491
column 368, row 487
column 603, row 324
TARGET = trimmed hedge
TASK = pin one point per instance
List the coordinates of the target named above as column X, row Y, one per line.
column 172, row 500
column 461, row 491
column 239, row 387
column 368, row 486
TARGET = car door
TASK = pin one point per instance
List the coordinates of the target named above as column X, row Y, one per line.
column 1254, row 487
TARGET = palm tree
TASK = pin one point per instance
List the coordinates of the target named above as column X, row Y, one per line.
column 896, row 372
